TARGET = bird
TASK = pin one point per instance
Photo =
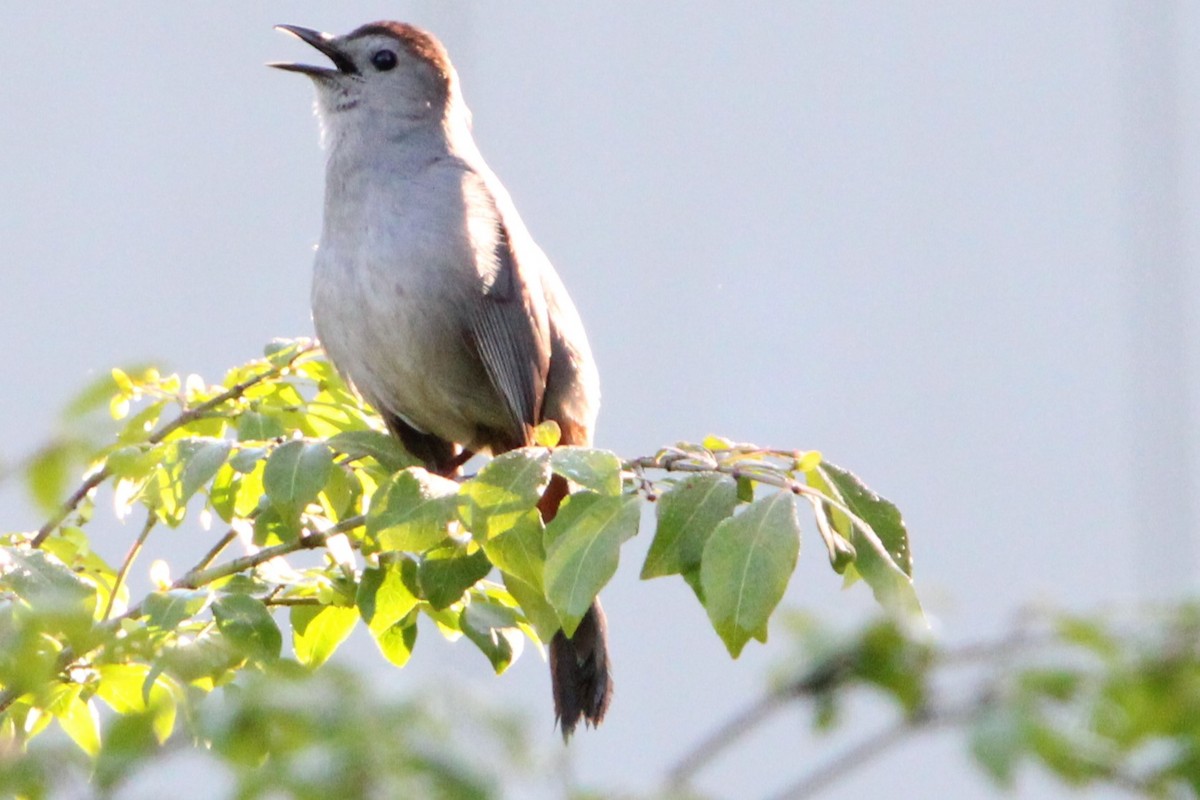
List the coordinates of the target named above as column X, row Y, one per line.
column 431, row 297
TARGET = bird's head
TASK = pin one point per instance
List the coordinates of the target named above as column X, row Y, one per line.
column 386, row 75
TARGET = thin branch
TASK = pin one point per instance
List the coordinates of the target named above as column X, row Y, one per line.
column 189, row 415
column 127, row 564
column 861, row 753
column 216, row 550
column 196, row 578
column 292, row 601
column 876, row 745
column 309, row 541
column 723, row 738
column 71, row 503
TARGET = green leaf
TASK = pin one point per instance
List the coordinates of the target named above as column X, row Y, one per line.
column 272, row 527
column 598, row 470
column 746, row 566
column 582, row 546
column 248, row 626
column 127, row 689
column 248, row 491
column 1062, row 754
column 493, row 629
column 295, row 474
column 520, row 550
column 253, row 426
column 504, row 490
column 547, row 434
column 133, row 462
column 77, row 717
column 62, row 603
column 183, row 466
column 165, row 610
column 137, row 428
column 201, row 459
column 95, row 395
column 896, row 663
column 446, row 573
column 883, row 516
column 997, row 742
column 247, row 458
column 318, row 630
column 882, row 555
column 1053, row 683
column 449, row 620
column 412, row 511
column 688, row 513
column 1090, row 635
column 384, row 597
column 533, row 603
column 396, row 643
column 222, row 495
column 380, row 446
column 47, row 475
column 205, row 660
column 342, row 492
column 129, row 742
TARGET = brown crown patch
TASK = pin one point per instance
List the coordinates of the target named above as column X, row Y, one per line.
column 419, row 43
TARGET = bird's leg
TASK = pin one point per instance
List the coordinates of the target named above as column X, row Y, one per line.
column 450, row 468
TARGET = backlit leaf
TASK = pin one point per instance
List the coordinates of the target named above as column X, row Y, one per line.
column 412, row 510
column 295, row 473
column 510, row 485
column 318, row 630
column 582, row 546
column 77, row 717
column 165, row 610
column 598, row 470
column 446, row 573
column 520, row 550
column 688, row 513
column 248, row 626
column 882, row 555
column 253, row 426
column 493, row 629
column 384, row 597
column 746, row 566
column 47, row 475
column 396, row 643
column 380, row 446
column 201, row 459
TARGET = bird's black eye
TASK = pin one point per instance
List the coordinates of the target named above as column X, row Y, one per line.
column 383, row 60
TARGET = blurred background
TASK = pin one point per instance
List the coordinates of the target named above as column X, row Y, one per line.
column 950, row 246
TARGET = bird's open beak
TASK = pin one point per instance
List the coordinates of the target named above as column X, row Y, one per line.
column 323, row 42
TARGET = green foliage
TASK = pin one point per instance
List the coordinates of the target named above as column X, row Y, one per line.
column 290, row 461
column 1113, row 699
column 341, row 741
column 745, row 568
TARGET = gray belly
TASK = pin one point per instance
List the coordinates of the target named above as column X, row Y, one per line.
column 400, row 340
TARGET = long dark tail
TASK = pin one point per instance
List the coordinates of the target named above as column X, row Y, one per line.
column 580, row 673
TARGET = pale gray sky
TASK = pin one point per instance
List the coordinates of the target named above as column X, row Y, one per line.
column 905, row 234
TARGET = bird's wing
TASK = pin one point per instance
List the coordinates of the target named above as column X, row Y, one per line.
column 510, row 329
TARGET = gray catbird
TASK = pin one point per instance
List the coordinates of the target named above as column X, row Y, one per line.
column 431, row 297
